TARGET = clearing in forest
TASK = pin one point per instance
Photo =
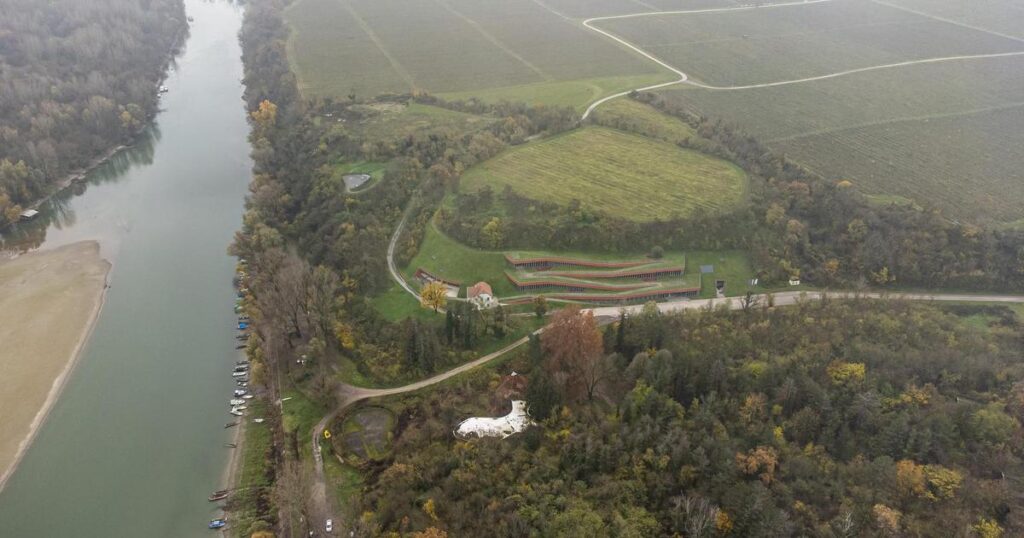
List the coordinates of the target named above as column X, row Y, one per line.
column 617, row 173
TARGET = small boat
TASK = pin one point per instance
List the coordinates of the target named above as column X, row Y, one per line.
column 240, row 347
column 240, row 408
column 247, row 397
column 230, row 425
column 236, row 401
column 218, row 495
column 163, row 89
column 239, row 374
column 243, row 326
column 243, row 362
column 217, row 524
column 240, row 392
column 236, row 413
column 242, row 383
column 230, row 445
column 258, row 420
column 241, row 337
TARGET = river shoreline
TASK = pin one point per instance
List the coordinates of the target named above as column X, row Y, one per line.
column 60, row 381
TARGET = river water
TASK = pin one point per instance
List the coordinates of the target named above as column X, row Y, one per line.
column 135, row 443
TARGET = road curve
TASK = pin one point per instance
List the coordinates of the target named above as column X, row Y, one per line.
column 392, row 268
column 349, row 394
column 684, row 79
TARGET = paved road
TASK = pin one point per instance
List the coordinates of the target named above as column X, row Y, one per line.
column 348, row 394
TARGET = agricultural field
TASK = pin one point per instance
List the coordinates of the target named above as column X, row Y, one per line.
column 793, row 42
column 621, row 174
column 367, row 47
column 1001, row 16
column 945, row 135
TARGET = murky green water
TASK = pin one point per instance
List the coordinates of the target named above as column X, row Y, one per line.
column 135, row 443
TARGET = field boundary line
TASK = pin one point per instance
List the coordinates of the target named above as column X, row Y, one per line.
column 948, row 21
column 495, row 41
column 925, row 117
column 858, row 70
column 684, row 78
column 395, row 64
column 589, row 23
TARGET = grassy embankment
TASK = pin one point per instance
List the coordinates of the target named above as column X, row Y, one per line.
column 253, row 479
column 618, row 173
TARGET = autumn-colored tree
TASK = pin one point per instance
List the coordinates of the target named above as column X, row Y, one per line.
column 910, row 479
column 434, row 295
column 431, row 532
column 574, row 347
column 987, row 528
column 761, row 461
column 887, row 519
column 265, row 117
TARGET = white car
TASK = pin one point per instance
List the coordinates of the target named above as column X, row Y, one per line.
column 329, row 526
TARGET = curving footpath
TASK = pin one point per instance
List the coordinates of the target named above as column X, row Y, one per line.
column 350, row 394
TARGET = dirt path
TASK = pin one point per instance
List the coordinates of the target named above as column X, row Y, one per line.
column 683, row 78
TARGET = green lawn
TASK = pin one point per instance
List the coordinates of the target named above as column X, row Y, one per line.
column 622, row 174
column 575, row 93
column 449, row 259
column 634, row 116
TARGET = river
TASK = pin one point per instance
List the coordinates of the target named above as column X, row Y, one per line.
column 135, row 442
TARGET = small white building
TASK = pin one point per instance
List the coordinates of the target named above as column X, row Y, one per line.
column 516, row 421
column 29, row 214
column 481, row 296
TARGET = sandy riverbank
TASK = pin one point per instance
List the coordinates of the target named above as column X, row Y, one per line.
column 49, row 303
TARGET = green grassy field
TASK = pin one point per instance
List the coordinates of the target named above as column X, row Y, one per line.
column 768, row 45
column 615, row 172
column 574, row 93
column 635, row 116
column 366, row 47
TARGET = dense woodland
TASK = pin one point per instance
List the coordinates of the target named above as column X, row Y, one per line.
column 77, row 78
column 829, row 419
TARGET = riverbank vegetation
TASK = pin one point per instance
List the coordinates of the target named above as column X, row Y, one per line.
column 77, row 78
column 830, row 418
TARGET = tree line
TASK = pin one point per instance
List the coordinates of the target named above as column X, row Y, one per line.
column 826, row 419
column 77, row 78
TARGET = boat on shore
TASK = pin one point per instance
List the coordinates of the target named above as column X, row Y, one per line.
column 236, row 401
column 230, row 425
column 218, row 495
column 217, row 524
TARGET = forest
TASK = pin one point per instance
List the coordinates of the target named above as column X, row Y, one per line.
column 827, row 419
column 77, row 78
column 830, row 418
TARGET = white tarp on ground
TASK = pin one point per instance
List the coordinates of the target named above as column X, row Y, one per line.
column 514, row 422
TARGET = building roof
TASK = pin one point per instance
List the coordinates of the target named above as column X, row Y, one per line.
column 480, row 288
